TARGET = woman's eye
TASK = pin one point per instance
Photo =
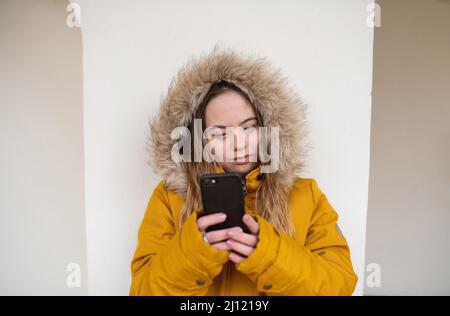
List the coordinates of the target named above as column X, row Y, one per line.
column 249, row 129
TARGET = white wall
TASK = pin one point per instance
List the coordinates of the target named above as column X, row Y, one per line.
column 42, row 227
column 132, row 49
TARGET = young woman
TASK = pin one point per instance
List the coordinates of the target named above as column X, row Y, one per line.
column 293, row 246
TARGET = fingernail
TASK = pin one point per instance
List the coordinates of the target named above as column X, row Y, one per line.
column 223, row 216
column 231, row 233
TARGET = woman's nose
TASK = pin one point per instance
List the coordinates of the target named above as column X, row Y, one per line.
column 239, row 139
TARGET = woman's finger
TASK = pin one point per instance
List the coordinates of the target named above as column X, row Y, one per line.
column 208, row 220
column 251, row 223
column 221, row 234
column 221, row 246
column 247, row 239
column 235, row 257
column 240, row 248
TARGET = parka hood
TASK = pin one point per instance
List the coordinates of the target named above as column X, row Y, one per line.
column 278, row 105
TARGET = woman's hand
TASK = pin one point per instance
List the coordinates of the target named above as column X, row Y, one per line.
column 242, row 244
column 216, row 238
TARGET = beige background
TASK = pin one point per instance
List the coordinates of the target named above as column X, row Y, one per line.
column 62, row 147
column 42, row 226
column 408, row 227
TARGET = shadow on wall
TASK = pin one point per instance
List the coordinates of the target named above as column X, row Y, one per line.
column 42, row 225
column 408, row 214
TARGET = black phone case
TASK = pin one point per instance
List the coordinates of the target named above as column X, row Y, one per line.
column 224, row 192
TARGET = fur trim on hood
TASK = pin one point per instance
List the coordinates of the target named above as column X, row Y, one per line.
column 277, row 104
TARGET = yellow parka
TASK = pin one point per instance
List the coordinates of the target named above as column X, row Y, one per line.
column 174, row 260
column 170, row 261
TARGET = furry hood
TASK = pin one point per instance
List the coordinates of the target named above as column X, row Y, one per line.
column 278, row 105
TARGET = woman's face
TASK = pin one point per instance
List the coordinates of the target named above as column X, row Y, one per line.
column 232, row 122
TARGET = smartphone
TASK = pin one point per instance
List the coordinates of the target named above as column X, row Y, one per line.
column 224, row 192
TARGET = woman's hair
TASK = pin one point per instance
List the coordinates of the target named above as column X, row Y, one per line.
column 270, row 205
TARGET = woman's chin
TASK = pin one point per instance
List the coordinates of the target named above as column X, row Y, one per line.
column 241, row 168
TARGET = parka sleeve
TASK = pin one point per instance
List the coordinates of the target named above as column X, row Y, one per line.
column 281, row 266
column 167, row 262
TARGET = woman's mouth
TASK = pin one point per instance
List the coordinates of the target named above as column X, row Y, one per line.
column 242, row 160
